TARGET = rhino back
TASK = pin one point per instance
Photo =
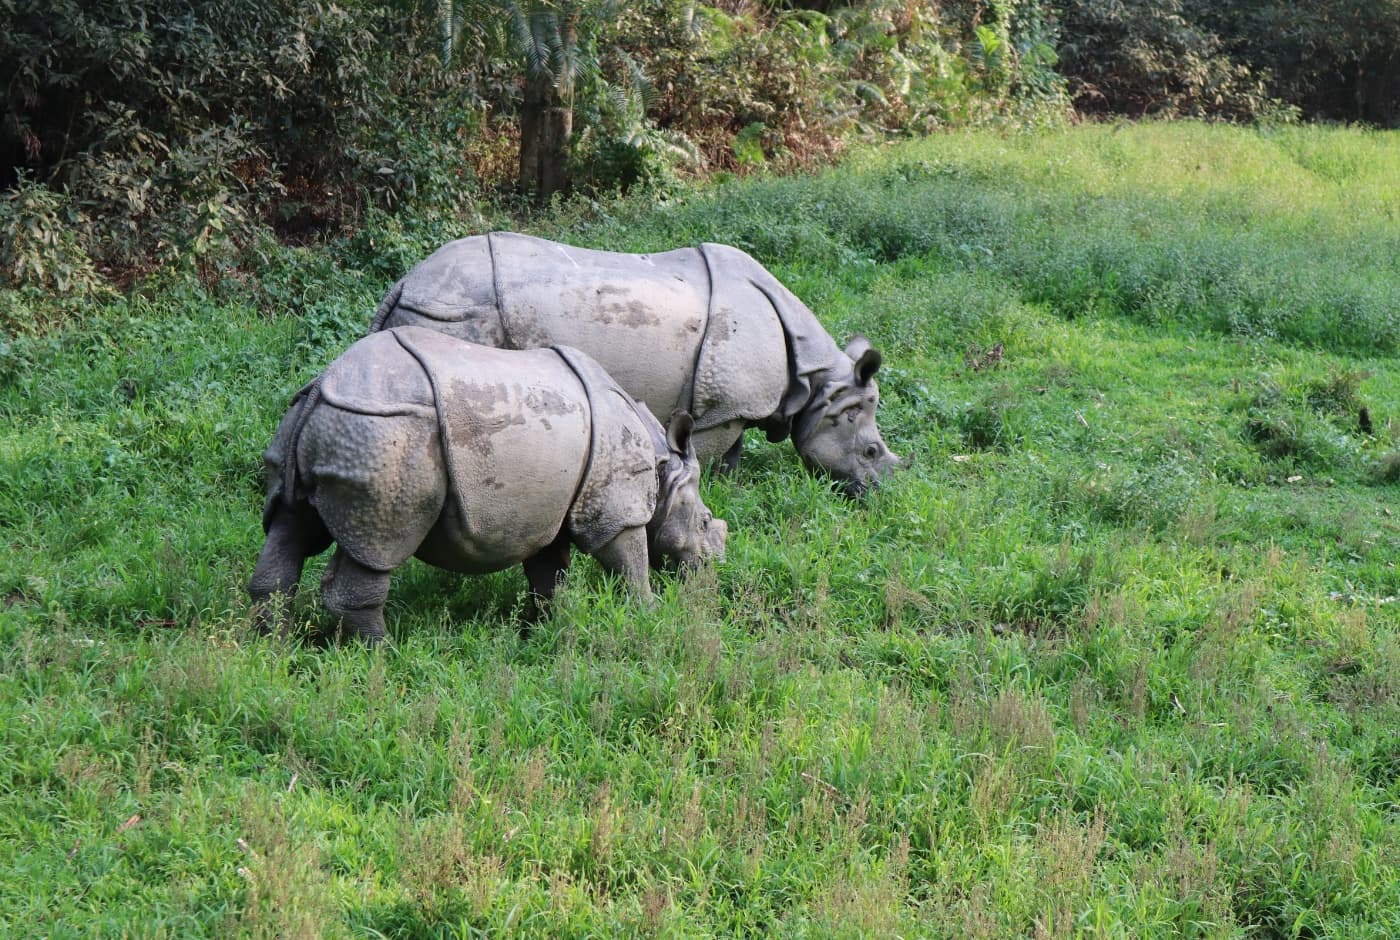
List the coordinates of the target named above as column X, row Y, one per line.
column 452, row 291
column 515, row 430
column 642, row 317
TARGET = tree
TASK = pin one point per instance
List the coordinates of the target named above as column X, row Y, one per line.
column 554, row 43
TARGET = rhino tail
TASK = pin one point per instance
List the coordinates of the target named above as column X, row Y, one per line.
column 386, row 306
column 288, row 492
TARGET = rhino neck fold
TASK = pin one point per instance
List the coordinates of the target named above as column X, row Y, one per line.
column 688, row 394
column 813, row 363
column 804, row 421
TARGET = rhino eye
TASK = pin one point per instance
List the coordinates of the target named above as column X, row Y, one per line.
column 872, row 451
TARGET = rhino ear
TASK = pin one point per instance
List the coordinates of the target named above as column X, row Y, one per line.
column 678, row 432
column 865, row 356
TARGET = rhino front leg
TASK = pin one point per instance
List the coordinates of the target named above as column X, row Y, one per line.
column 293, row 535
column 544, row 571
column 626, row 555
column 729, row 464
column 355, row 595
column 721, row 444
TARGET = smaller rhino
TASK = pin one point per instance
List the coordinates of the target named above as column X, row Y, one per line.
column 473, row 459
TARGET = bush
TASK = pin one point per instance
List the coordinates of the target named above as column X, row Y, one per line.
column 1144, row 57
column 790, row 85
column 172, row 126
column 1334, row 59
column 38, row 244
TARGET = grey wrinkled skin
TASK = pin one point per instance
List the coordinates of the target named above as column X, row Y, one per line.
column 473, row 459
column 705, row 330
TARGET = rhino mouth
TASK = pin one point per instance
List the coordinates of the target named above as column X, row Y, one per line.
column 685, row 564
column 856, row 489
column 686, row 560
column 860, row 488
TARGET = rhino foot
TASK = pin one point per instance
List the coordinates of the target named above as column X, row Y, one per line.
column 293, row 534
column 728, row 465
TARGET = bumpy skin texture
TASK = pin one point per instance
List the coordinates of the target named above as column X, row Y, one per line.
column 707, row 330
column 473, row 459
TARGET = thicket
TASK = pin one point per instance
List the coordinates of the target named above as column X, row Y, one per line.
column 164, row 129
column 1336, row 60
column 135, row 134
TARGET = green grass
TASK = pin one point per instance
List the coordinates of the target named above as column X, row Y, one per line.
column 1118, row 655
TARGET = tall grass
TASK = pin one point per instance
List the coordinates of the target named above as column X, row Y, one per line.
column 1117, row 655
column 1287, row 233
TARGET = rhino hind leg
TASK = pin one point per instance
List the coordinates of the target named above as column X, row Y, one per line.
column 728, row 465
column 544, row 570
column 355, row 596
column 294, row 533
column 626, row 556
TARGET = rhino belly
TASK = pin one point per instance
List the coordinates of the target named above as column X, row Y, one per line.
column 712, row 443
column 642, row 317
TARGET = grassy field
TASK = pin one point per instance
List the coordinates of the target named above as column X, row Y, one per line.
column 1117, row 656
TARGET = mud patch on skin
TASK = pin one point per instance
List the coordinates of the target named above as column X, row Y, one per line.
column 476, row 431
column 548, row 401
column 545, row 403
column 524, row 334
column 473, row 416
column 634, row 314
column 615, row 306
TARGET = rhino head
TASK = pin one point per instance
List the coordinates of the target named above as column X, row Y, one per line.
column 836, row 431
column 683, row 530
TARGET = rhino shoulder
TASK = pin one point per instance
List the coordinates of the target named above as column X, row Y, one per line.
column 619, row 485
column 741, row 372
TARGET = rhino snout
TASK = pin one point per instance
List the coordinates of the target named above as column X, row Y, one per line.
column 708, row 547
column 716, row 538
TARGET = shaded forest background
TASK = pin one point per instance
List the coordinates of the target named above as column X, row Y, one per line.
column 136, row 134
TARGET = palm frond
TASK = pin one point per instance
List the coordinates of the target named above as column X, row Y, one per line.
column 525, row 30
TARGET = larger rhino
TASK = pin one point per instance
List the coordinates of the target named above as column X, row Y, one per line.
column 706, row 330
column 472, row 459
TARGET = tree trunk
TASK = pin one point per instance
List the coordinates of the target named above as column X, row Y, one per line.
column 546, row 123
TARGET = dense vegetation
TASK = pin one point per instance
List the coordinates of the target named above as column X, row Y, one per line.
column 1118, row 654
column 138, row 134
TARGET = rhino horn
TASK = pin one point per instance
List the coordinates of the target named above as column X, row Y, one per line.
column 866, row 357
column 679, row 430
